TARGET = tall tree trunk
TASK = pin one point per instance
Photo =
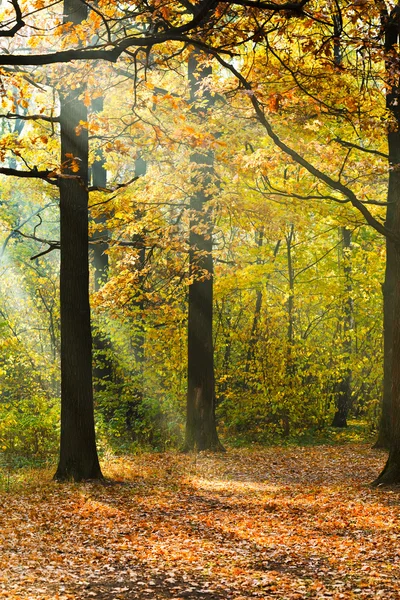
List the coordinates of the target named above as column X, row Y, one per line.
column 290, row 358
column 343, row 395
column 78, row 454
column 388, row 287
column 391, row 472
column 201, row 431
column 290, row 302
column 257, row 311
column 391, row 288
column 391, row 25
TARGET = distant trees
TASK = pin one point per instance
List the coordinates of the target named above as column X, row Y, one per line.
column 276, row 361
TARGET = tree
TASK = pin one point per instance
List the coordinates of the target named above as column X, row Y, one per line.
column 78, row 453
column 390, row 25
column 344, row 392
column 224, row 32
column 201, row 432
column 391, row 472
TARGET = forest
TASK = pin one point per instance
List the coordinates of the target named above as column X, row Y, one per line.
column 199, row 298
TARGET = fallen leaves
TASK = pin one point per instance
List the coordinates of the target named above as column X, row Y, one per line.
column 275, row 523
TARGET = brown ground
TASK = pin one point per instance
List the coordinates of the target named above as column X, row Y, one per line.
column 274, row 523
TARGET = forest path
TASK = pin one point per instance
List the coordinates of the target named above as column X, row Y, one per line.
column 273, row 523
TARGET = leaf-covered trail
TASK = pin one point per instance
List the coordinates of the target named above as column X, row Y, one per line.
column 276, row 523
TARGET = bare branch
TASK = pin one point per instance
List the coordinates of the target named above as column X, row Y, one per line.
column 30, row 117
column 357, row 147
column 33, row 174
column 35, row 214
column 53, row 244
column 120, row 186
column 293, row 7
column 19, row 22
column 49, row 249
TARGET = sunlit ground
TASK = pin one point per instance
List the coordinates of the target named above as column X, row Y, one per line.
column 276, row 523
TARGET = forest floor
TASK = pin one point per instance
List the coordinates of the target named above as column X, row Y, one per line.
column 274, row 523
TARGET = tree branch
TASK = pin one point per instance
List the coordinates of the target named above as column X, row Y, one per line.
column 146, row 41
column 33, row 173
column 30, row 117
column 286, row 6
column 300, row 160
column 111, row 55
column 357, row 147
column 19, row 22
column 120, row 186
column 53, row 244
column 49, row 249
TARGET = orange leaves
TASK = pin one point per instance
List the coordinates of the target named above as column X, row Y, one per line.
column 86, row 98
column 275, row 523
column 274, row 102
column 71, row 164
column 117, row 146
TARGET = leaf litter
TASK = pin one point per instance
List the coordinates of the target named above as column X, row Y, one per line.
column 281, row 523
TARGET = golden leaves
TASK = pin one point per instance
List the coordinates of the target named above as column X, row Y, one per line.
column 274, row 523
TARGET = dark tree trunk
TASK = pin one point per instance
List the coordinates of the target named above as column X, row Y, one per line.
column 391, row 26
column 257, row 311
column 201, row 431
column 290, row 302
column 388, row 288
column 78, row 454
column 290, row 355
column 343, row 395
column 391, row 472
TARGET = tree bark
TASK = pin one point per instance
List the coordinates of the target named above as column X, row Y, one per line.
column 391, row 27
column 388, row 289
column 78, row 453
column 391, row 473
column 343, row 396
column 201, row 431
column 257, row 311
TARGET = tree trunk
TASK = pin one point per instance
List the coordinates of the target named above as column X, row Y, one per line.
column 201, row 431
column 78, row 454
column 391, row 472
column 343, row 396
column 290, row 302
column 388, row 287
column 257, row 311
column 391, row 25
